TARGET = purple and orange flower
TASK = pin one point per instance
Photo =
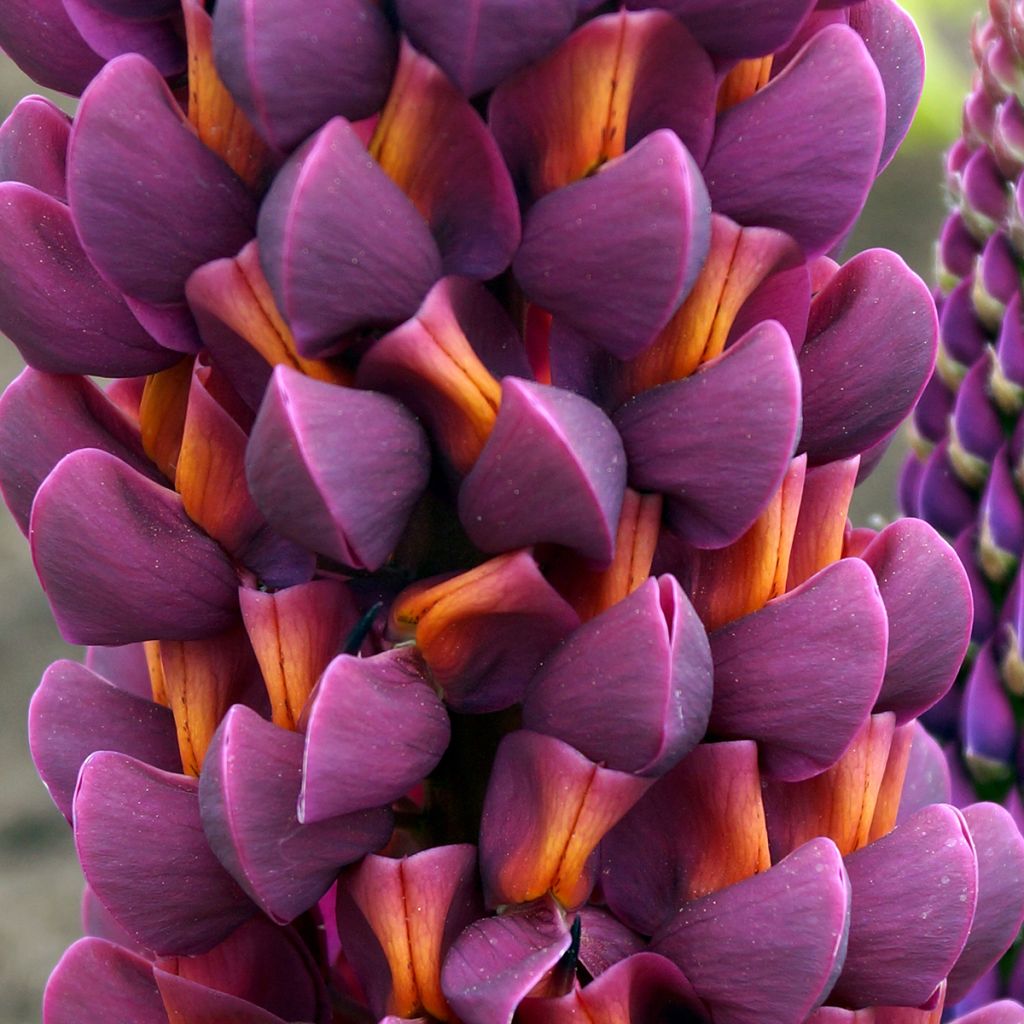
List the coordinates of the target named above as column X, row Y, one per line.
column 475, row 629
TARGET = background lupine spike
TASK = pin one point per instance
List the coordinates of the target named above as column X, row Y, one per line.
column 963, row 475
column 478, row 635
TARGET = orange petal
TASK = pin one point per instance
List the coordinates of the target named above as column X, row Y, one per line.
column 414, row 907
column 295, row 632
column 212, row 111
column 724, row 817
column 162, row 414
column 234, row 294
column 590, row 591
column 741, row 578
column 430, row 357
column 840, row 803
column 699, row 829
column 201, row 679
column 888, row 803
column 614, row 80
column 738, row 262
column 547, row 808
column 210, row 470
column 156, row 672
column 818, row 540
column 436, row 148
column 744, row 80
column 484, row 632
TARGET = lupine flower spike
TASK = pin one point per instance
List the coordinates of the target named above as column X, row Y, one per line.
column 475, row 631
column 964, row 474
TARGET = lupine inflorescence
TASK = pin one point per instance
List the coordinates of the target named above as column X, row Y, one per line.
column 965, row 474
column 460, row 542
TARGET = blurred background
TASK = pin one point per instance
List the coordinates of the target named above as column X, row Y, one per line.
column 39, row 880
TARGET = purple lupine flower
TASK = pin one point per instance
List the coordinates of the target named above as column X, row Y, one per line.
column 964, row 473
column 475, row 629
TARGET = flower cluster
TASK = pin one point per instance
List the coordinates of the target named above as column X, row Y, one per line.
column 965, row 473
column 474, row 627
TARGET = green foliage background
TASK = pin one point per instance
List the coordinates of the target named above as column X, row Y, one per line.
column 945, row 27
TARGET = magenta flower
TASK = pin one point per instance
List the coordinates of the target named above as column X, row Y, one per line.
column 475, row 630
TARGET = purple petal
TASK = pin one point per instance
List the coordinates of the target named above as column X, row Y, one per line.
column 110, row 33
column 927, row 780
column 438, row 151
column 346, row 52
column 97, row 923
column 605, row 940
column 1005, row 1011
column 34, row 145
column 785, row 159
column 1012, row 662
column 125, row 666
column 698, row 830
column 1008, row 137
column 39, row 37
column 646, row 987
column 75, row 712
column 350, row 503
column 248, row 793
column 914, row 893
column 142, row 849
column 631, row 688
column 895, row 46
column 119, row 559
column 54, row 307
column 985, row 199
column 484, row 633
column 988, row 725
column 943, row 499
column 956, row 252
column 480, row 43
column 685, row 439
column 753, row 28
column 43, row 418
column 976, row 433
column 617, row 79
column 651, row 205
column 340, row 244
column 927, row 600
column 497, row 961
column 97, row 980
column 352, row 759
column 996, row 282
column 869, row 352
column 963, row 339
column 138, row 10
column 1001, row 538
column 185, row 1000
column 966, row 547
column 546, row 439
column 802, row 674
column 766, row 950
column 267, row 967
column 171, row 325
column 1000, row 908
column 144, row 229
